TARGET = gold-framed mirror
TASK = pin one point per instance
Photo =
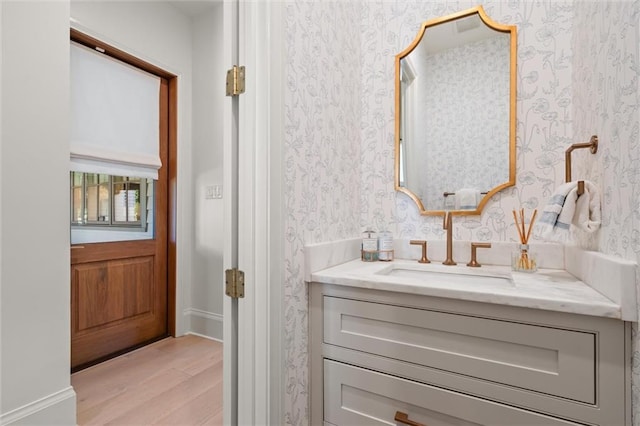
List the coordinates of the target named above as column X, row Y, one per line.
column 455, row 120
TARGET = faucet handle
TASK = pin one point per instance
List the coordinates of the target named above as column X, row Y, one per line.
column 423, row 244
column 474, row 246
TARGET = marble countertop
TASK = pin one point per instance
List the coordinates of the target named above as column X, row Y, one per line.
column 548, row 289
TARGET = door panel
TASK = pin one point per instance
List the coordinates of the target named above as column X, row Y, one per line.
column 118, row 298
column 123, row 286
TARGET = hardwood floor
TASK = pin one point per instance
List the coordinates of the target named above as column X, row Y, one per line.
column 176, row 381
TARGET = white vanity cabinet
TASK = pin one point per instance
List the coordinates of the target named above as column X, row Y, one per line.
column 376, row 354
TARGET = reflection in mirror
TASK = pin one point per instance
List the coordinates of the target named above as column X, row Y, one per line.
column 455, row 113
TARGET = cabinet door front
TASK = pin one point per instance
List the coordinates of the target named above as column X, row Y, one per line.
column 549, row 360
column 356, row 396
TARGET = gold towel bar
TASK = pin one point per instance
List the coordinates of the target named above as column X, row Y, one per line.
column 446, row 194
column 592, row 145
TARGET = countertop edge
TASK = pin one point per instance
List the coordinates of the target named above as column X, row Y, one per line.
column 600, row 308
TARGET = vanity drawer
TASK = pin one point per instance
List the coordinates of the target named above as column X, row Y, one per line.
column 356, row 396
column 548, row 360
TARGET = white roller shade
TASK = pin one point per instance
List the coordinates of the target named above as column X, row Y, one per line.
column 114, row 116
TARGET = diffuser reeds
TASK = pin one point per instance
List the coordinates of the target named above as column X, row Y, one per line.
column 523, row 261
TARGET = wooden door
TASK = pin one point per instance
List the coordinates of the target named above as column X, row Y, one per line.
column 121, row 291
column 118, row 298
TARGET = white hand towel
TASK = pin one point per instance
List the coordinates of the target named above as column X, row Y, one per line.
column 588, row 216
column 467, row 199
column 566, row 208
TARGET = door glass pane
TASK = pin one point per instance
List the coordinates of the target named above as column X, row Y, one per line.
column 126, row 199
column 104, row 202
column 134, row 191
column 120, row 202
column 92, row 203
column 91, row 178
column 76, row 179
column 76, row 197
column 97, row 199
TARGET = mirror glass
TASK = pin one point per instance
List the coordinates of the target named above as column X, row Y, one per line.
column 455, row 113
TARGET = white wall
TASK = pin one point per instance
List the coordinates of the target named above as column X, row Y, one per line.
column 34, row 180
column 208, row 100
column 159, row 34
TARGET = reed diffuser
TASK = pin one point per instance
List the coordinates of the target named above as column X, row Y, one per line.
column 523, row 260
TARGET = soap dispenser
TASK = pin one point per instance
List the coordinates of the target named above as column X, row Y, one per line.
column 369, row 248
column 385, row 246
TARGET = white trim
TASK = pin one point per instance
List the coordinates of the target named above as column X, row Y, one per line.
column 204, row 337
column 260, row 254
column 203, row 314
column 253, row 347
column 230, row 252
column 41, row 407
column 204, row 323
column 274, row 64
column 1, row 203
column 250, row 308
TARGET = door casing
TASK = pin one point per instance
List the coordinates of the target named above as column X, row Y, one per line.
column 253, row 34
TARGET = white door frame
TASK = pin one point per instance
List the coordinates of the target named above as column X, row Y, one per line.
column 258, row 114
column 230, row 206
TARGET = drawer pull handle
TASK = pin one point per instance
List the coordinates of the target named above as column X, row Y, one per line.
column 404, row 418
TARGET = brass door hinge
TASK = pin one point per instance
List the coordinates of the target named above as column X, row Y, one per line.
column 235, row 81
column 234, row 283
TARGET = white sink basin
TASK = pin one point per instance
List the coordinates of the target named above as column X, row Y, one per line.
column 459, row 274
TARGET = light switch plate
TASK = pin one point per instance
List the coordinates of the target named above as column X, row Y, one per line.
column 213, row 192
column 209, row 192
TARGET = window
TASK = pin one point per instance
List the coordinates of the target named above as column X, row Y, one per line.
column 99, row 200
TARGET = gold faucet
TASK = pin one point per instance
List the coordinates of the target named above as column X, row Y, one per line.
column 474, row 247
column 447, row 225
column 423, row 244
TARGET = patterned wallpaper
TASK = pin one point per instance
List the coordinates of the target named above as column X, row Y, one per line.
column 339, row 142
column 605, row 102
column 322, row 161
column 463, row 118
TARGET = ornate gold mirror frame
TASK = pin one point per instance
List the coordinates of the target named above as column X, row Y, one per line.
column 508, row 29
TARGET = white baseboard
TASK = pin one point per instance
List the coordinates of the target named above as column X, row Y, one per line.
column 193, row 333
column 204, row 323
column 59, row 408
